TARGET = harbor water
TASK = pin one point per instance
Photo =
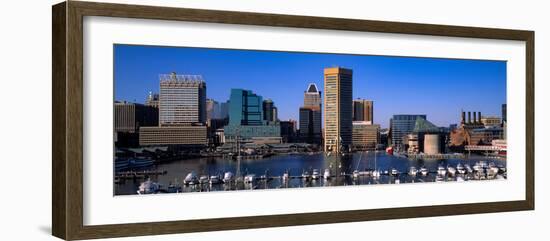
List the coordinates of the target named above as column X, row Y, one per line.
column 269, row 171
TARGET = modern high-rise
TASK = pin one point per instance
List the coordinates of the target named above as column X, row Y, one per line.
column 269, row 110
column 212, row 109
column 224, row 110
column 310, row 115
column 503, row 113
column 402, row 125
column 363, row 110
column 338, row 111
column 246, row 120
column 182, row 99
column 312, row 96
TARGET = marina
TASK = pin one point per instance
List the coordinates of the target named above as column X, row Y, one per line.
column 306, row 170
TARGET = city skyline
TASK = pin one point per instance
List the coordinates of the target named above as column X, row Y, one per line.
column 397, row 85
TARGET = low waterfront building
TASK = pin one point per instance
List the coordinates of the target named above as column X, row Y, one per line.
column 365, row 135
column 426, row 138
column 489, row 121
column 484, row 136
column 173, row 135
column 401, row 126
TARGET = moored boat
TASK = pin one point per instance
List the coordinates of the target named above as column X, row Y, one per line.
column 413, row 171
column 148, row 187
column 424, row 171
column 228, row 177
column 191, row 179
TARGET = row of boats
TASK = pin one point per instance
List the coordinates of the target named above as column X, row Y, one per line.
column 479, row 169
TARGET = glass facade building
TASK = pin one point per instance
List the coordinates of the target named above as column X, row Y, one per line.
column 246, row 118
column 402, row 125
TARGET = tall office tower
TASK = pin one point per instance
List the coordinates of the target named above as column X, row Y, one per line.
column 402, row 125
column 503, row 113
column 310, row 115
column 182, row 99
column 338, row 109
column 269, row 109
column 212, row 109
column 312, row 96
column 363, row 110
column 224, row 110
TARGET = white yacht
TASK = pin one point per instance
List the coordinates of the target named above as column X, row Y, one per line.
column 451, row 170
column 460, row 168
column 286, row 176
column 441, row 171
column 424, row 171
column 315, row 174
column 468, row 168
column 215, row 179
column 326, row 174
column 306, row 175
column 413, row 171
column 249, row 178
column 191, row 179
column 228, row 177
column 376, row 174
column 394, row 172
column 148, row 187
column 203, row 179
column 355, row 174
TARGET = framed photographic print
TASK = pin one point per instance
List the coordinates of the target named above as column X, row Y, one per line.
column 171, row 120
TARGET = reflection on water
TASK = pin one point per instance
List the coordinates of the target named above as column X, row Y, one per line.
column 269, row 172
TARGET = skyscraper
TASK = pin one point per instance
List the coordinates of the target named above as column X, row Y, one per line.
column 363, row 110
column 246, row 120
column 338, row 109
column 245, row 108
column 224, row 110
column 312, row 96
column 402, row 125
column 310, row 115
column 269, row 109
column 182, row 99
column 212, row 109
column 182, row 113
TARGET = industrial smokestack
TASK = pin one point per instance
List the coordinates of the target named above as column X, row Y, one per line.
column 469, row 117
column 475, row 118
column 479, row 117
column 463, row 117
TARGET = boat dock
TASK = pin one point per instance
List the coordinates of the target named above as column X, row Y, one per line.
column 138, row 174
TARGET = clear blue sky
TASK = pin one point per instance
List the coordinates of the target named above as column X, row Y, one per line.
column 439, row 88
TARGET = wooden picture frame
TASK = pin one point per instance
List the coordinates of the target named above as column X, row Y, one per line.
column 67, row 124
